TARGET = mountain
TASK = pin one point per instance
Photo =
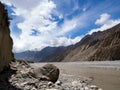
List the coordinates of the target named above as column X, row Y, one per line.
column 47, row 54
column 101, row 45
column 5, row 40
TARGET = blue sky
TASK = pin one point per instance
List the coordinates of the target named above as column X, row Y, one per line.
column 40, row 23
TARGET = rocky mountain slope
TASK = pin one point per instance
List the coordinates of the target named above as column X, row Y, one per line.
column 99, row 46
column 5, row 40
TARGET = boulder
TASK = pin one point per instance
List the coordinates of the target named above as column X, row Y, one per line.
column 48, row 72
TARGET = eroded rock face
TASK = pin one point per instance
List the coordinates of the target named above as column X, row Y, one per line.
column 5, row 40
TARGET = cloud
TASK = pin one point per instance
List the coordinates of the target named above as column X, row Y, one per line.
column 64, row 40
column 68, row 26
column 40, row 23
column 104, row 18
column 38, row 27
column 106, row 22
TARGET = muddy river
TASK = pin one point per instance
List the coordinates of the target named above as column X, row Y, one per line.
column 105, row 74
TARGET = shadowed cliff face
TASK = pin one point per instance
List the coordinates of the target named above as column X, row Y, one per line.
column 5, row 40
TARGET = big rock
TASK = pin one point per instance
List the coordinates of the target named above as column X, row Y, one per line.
column 48, row 72
column 5, row 40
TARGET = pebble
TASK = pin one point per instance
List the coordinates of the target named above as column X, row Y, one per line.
column 82, row 89
column 59, row 83
column 94, row 87
column 50, row 83
column 100, row 89
column 52, row 89
column 75, row 83
column 24, row 83
column 33, row 88
column 86, row 88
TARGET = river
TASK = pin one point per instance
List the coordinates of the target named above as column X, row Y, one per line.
column 105, row 74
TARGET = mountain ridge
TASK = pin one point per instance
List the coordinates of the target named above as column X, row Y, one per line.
column 90, row 48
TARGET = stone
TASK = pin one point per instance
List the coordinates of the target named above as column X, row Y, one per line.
column 76, row 83
column 48, row 72
column 86, row 88
column 24, row 83
column 100, row 89
column 27, row 87
column 33, row 88
column 58, row 83
column 93, row 87
column 50, row 83
column 52, row 89
column 82, row 89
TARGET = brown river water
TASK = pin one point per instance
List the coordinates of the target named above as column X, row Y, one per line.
column 105, row 74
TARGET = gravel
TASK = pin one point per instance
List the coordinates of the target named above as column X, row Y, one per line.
column 20, row 77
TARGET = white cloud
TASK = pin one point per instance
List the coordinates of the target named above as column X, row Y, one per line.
column 64, row 40
column 68, row 26
column 36, row 15
column 106, row 23
column 104, row 18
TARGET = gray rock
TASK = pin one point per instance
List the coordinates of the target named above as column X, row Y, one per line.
column 58, row 83
column 50, row 83
column 94, row 87
column 33, row 88
column 100, row 89
column 48, row 72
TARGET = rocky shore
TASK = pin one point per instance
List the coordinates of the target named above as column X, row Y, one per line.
column 21, row 76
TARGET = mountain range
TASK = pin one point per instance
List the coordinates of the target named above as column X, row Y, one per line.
column 99, row 46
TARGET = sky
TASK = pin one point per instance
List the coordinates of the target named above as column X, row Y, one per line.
column 37, row 24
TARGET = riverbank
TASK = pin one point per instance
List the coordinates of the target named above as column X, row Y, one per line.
column 105, row 74
column 20, row 76
column 73, row 76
